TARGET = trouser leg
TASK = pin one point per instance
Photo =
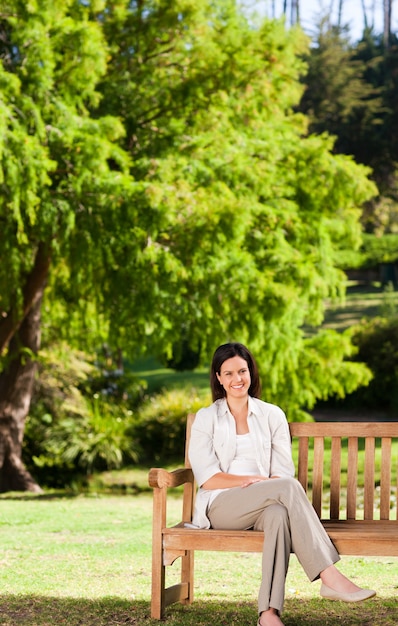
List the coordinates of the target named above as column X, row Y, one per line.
column 240, row 508
column 276, row 553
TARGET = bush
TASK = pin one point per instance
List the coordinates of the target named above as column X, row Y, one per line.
column 184, row 357
column 160, row 430
column 80, row 419
column 377, row 343
column 374, row 252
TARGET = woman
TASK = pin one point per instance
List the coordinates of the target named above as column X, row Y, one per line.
column 240, row 453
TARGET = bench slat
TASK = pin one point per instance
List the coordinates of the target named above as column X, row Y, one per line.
column 364, row 537
column 369, row 478
column 302, row 474
column 335, row 478
column 343, row 429
column 352, row 473
column 317, row 475
column 385, row 478
column 351, row 537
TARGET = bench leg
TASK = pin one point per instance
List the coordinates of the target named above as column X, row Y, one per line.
column 158, row 568
column 187, row 574
column 181, row 592
column 158, row 584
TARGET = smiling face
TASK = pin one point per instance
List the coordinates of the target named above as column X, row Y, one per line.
column 234, row 376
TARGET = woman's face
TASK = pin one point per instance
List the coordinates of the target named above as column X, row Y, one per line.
column 235, row 377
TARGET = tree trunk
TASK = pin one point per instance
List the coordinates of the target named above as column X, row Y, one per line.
column 294, row 17
column 365, row 16
column 16, row 386
column 17, row 379
column 10, row 321
column 387, row 22
column 340, row 14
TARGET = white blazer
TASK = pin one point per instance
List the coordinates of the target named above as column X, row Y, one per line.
column 213, row 445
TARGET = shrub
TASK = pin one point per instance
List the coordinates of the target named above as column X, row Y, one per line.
column 377, row 342
column 71, row 429
column 160, row 430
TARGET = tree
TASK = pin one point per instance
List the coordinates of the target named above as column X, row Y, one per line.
column 387, row 6
column 338, row 97
column 150, row 159
column 350, row 92
column 55, row 164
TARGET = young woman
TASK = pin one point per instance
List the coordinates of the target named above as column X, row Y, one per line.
column 240, row 452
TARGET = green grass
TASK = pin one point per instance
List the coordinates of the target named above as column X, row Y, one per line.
column 87, row 561
column 159, row 377
column 361, row 302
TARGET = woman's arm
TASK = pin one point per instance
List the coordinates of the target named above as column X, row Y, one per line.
column 222, row 480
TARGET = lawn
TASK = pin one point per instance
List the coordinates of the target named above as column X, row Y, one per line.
column 86, row 561
column 361, row 302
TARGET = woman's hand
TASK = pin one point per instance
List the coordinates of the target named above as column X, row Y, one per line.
column 222, row 480
column 250, row 480
column 256, row 479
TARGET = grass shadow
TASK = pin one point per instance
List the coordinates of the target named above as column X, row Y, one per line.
column 33, row 610
column 46, row 495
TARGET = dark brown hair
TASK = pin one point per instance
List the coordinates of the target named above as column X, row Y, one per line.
column 227, row 351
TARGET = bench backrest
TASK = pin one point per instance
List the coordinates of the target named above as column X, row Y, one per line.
column 349, row 467
column 359, row 474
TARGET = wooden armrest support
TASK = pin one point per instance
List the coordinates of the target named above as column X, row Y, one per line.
column 160, row 478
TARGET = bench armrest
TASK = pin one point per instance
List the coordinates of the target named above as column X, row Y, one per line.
column 161, row 478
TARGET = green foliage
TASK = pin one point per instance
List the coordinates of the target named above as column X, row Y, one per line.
column 160, row 428
column 376, row 250
column 338, row 96
column 373, row 252
column 184, row 357
column 153, row 149
column 350, row 92
column 312, row 374
column 230, row 169
column 80, row 420
column 96, row 439
column 60, row 167
column 377, row 343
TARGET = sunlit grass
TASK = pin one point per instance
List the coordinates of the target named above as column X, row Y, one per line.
column 86, row 561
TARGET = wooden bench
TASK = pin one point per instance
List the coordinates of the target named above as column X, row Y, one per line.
column 356, row 449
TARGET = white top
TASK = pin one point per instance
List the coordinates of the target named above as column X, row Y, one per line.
column 243, row 464
column 244, row 461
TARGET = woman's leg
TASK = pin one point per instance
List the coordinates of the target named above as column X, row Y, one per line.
column 281, row 508
column 240, row 508
column 276, row 553
column 275, row 506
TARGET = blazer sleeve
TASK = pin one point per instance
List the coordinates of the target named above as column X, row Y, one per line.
column 201, row 453
column 281, row 446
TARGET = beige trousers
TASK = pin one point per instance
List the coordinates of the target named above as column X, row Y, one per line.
column 281, row 509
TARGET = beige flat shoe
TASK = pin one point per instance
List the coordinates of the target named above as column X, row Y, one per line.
column 356, row 596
